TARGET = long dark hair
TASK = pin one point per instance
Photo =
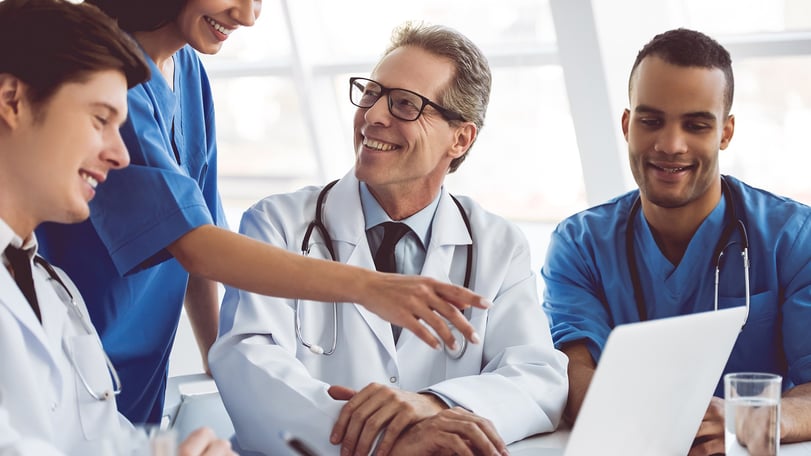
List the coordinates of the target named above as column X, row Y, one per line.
column 141, row 15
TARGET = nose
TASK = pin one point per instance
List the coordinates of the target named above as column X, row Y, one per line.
column 378, row 113
column 116, row 154
column 245, row 12
column 671, row 140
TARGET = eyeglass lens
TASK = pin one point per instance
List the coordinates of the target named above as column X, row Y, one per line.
column 402, row 104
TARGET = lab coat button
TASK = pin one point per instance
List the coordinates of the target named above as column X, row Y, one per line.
column 393, row 379
column 54, row 406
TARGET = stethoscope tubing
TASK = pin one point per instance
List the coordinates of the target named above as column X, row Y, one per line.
column 317, row 224
column 71, row 303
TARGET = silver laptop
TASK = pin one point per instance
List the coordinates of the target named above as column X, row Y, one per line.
column 652, row 386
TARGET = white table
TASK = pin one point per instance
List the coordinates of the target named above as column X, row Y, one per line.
column 551, row 444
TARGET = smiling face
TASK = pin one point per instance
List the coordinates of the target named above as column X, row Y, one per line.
column 408, row 159
column 206, row 24
column 53, row 156
column 675, row 127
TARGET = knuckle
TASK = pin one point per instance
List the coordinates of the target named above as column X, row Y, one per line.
column 375, row 422
column 349, row 441
column 424, row 290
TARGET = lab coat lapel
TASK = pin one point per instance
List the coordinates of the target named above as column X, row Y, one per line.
column 16, row 303
column 343, row 216
column 449, row 238
column 448, row 231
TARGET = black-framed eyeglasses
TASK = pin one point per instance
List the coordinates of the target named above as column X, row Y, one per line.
column 403, row 104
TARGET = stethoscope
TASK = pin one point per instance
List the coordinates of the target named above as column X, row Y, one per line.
column 318, row 224
column 67, row 298
column 733, row 223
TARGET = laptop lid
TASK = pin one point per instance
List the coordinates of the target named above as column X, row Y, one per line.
column 653, row 384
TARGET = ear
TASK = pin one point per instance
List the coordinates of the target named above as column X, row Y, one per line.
column 10, row 95
column 729, row 130
column 626, row 120
column 464, row 135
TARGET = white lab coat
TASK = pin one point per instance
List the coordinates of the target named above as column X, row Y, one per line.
column 271, row 383
column 44, row 410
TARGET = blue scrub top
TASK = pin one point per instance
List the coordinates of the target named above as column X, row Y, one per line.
column 133, row 288
column 589, row 290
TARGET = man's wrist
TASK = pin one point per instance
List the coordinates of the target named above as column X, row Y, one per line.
column 436, row 400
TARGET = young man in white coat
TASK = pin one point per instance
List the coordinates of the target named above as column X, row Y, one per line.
column 63, row 95
column 342, row 376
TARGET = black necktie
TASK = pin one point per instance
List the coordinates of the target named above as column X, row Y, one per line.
column 21, row 268
column 384, row 258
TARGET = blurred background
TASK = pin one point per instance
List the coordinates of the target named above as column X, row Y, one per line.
column 552, row 143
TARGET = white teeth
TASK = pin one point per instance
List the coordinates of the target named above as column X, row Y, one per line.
column 673, row 170
column 90, row 180
column 377, row 145
column 219, row 27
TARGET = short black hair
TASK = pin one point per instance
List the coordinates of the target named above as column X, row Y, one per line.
column 689, row 48
column 56, row 41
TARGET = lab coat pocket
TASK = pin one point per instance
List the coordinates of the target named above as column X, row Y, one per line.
column 99, row 418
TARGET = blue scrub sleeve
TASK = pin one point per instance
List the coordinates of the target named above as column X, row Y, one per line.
column 143, row 208
column 572, row 296
column 794, row 256
column 136, row 225
column 210, row 181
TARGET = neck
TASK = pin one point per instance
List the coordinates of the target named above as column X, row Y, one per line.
column 15, row 211
column 401, row 204
column 161, row 44
column 673, row 228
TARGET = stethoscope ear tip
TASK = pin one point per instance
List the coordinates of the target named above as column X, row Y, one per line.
column 317, row 349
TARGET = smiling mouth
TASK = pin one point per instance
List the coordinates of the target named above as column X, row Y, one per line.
column 89, row 179
column 672, row 170
column 377, row 145
column 219, row 27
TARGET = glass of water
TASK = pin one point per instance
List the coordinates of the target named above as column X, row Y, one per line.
column 752, row 413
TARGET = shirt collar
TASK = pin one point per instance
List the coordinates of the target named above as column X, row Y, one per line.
column 9, row 237
column 419, row 223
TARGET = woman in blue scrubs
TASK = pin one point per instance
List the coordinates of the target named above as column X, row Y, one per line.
column 157, row 234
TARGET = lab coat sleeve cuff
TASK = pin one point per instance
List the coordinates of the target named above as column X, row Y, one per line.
column 448, row 401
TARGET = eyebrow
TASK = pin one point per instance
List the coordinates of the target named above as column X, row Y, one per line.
column 105, row 105
column 112, row 109
column 704, row 115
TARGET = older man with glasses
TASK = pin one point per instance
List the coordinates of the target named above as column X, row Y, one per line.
column 331, row 375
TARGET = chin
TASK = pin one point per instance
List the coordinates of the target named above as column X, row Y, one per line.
column 76, row 215
column 208, row 48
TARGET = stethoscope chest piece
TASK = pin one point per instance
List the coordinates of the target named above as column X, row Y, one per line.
column 461, row 344
column 459, row 339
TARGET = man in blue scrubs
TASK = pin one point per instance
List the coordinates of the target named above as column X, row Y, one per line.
column 680, row 92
